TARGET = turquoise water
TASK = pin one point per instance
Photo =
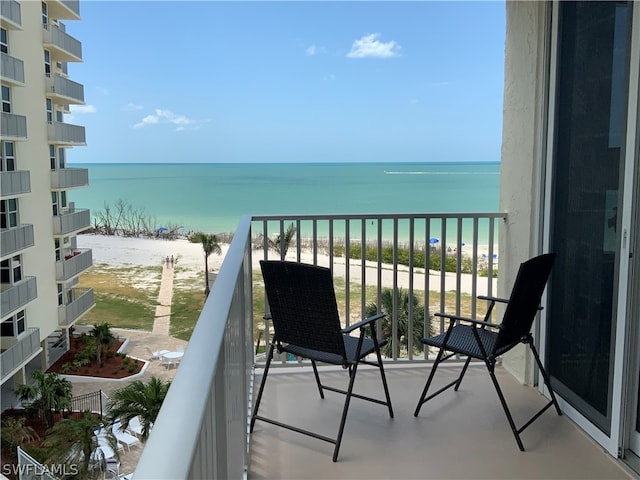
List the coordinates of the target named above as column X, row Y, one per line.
column 213, row 197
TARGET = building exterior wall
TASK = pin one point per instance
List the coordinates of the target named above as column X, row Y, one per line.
column 33, row 155
column 523, row 140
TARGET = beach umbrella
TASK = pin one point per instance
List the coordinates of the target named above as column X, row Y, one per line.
column 162, row 229
column 433, row 240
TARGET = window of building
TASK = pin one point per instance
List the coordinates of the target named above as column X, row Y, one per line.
column 9, row 213
column 59, row 116
column 11, row 270
column 47, row 63
column 58, row 249
column 5, row 271
column 4, row 45
column 62, row 162
column 49, row 111
column 52, row 156
column 13, row 326
column 45, row 15
column 54, row 203
column 6, row 99
column 8, row 157
column 60, row 295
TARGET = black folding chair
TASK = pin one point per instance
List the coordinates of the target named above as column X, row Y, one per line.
column 306, row 324
column 486, row 341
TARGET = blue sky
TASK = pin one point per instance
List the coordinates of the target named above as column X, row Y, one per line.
column 211, row 81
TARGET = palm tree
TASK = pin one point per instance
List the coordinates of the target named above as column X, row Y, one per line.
column 102, row 333
column 73, row 441
column 138, row 399
column 278, row 245
column 49, row 393
column 209, row 245
column 402, row 334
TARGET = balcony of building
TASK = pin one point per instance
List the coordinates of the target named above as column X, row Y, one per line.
column 66, row 134
column 14, row 357
column 461, row 434
column 64, row 9
column 16, row 239
column 11, row 14
column 69, row 178
column 15, row 183
column 14, row 296
column 73, row 264
column 13, row 127
column 11, row 69
column 71, row 221
column 63, row 47
column 78, row 301
column 64, row 91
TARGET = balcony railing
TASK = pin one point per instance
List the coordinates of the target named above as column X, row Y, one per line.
column 66, row 134
column 63, row 46
column 208, row 428
column 11, row 69
column 16, row 295
column 74, row 264
column 72, row 221
column 13, row 127
column 15, row 183
column 16, row 239
column 64, row 90
column 67, row 178
column 21, row 352
column 78, row 302
column 64, row 9
column 10, row 11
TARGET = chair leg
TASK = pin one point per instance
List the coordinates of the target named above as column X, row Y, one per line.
column 384, row 381
column 547, row 382
column 514, row 429
column 422, row 399
column 352, row 377
column 315, row 372
column 262, row 382
column 464, row 370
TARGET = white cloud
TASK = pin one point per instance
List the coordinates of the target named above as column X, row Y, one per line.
column 370, row 47
column 165, row 117
column 311, row 51
column 130, row 107
column 82, row 108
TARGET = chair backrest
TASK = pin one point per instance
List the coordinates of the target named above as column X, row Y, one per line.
column 524, row 300
column 303, row 305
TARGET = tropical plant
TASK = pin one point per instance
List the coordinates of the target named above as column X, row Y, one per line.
column 209, row 245
column 281, row 246
column 138, row 399
column 73, row 441
column 103, row 336
column 402, row 333
column 15, row 432
column 48, row 394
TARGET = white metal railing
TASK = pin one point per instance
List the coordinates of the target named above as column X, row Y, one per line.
column 65, row 178
column 74, row 263
column 15, row 182
column 74, row 220
column 17, row 354
column 16, row 238
column 11, row 11
column 13, row 126
column 66, row 133
column 79, row 301
column 201, row 431
column 17, row 295
column 62, row 86
column 54, row 35
column 12, row 68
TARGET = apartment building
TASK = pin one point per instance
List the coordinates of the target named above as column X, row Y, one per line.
column 40, row 261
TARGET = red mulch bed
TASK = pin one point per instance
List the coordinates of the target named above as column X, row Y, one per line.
column 112, row 364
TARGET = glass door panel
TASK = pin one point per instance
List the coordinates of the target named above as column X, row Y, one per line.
column 591, row 99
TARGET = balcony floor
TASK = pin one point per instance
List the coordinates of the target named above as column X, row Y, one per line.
column 458, row 435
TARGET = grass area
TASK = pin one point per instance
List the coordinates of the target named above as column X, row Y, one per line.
column 125, row 297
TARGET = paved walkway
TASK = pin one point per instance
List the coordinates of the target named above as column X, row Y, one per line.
column 140, row 343
column 163, row 310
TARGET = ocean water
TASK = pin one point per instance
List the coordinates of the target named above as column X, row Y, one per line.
column 213, row 197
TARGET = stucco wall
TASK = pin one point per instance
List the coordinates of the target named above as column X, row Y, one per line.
column 522, row 151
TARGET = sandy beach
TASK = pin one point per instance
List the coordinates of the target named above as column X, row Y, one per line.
column 122, row 251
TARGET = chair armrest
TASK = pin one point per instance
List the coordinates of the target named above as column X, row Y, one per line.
column 363, row 323
column 493, row 299
column 470, row 320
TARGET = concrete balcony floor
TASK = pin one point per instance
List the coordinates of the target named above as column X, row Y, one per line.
column 458, row 435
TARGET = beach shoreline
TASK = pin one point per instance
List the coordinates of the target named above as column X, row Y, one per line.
column 119, row 251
